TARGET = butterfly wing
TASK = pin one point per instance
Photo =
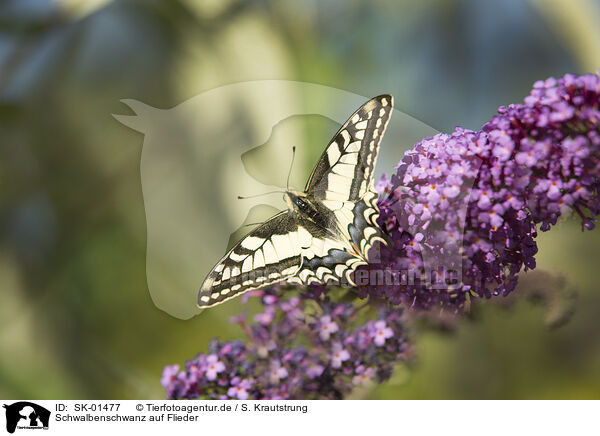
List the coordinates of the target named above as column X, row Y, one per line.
column 267, row 255
column 344, row 171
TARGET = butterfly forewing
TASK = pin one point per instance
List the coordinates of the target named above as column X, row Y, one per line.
column 269, row 254
column 344, row 171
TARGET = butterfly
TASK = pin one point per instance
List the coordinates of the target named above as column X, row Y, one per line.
column 328, row 229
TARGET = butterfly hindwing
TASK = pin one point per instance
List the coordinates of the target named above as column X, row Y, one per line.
column 323, row 255
column 335, row 268
column 267, row 255
column 364, row 230
column 337, row 264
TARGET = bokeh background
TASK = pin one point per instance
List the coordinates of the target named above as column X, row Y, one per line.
column 76, row 318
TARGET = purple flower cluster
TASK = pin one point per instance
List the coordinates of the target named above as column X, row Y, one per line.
column 470, row 203
column 297, row 348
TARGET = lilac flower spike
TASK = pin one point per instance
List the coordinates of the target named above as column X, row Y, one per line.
column 473, row 201
column 288, row 358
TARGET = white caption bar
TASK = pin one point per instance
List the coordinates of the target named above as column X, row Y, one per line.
column 299, row 417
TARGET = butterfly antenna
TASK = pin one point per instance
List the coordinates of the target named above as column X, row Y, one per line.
column 287, row 184
column 251, row 224
column 243, row 197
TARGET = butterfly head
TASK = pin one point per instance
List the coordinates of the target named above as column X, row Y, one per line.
column 296, row 201
column 299, row 204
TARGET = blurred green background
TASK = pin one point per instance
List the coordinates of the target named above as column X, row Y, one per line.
column 76, row 317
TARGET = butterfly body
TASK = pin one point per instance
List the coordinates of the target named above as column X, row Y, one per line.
column 327, row 230
column 308, row 212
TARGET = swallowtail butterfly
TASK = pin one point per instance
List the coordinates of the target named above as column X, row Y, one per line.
column 328, row 229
